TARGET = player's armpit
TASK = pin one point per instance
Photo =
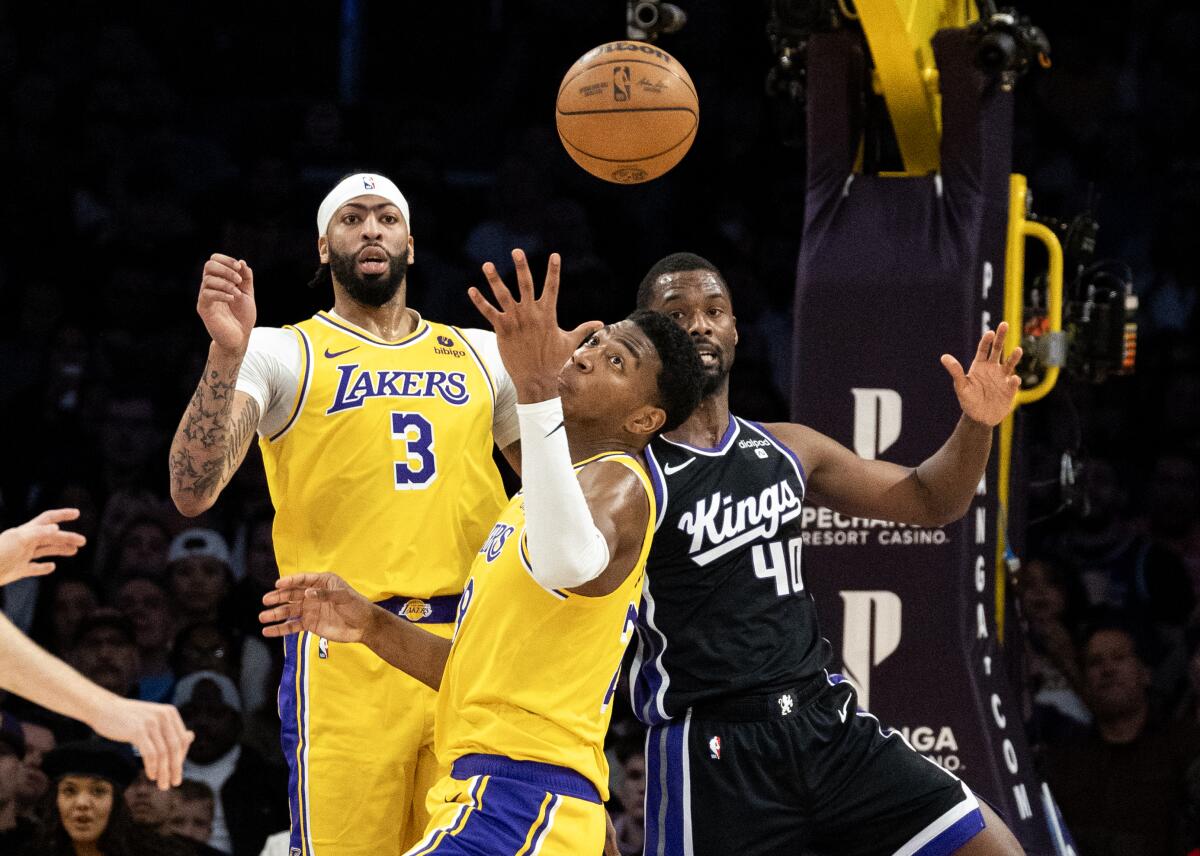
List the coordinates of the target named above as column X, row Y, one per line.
column 512, row 454
column 212, row 438
column 621, row 511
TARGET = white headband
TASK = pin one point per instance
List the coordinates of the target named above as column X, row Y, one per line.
column 361, row 184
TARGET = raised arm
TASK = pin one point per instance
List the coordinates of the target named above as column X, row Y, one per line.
column 937, row 491
column 219, row 423
column 583, row 532
column 326, row 605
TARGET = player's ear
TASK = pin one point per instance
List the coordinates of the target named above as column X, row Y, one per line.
column 411, row 254
column 646, row 421
column 323, row 249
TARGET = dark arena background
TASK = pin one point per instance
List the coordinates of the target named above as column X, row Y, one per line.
column 137, row 138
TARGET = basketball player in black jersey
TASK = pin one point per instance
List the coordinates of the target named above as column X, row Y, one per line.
column 753, row 749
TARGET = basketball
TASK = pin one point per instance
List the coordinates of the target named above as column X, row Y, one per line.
column 627, row 112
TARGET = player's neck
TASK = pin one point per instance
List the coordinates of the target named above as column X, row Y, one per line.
column 583, row 444
column 708, row 422
column 391, row 322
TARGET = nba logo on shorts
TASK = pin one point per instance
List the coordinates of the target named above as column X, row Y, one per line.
column 323, row 649
column 714, row 747
column 368, row 182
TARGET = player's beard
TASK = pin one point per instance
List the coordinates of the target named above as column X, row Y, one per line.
column 373, row 290
column 716, row 377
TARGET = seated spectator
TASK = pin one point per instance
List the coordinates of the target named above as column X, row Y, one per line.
column 64, row 601
column 1122, row 569
column 1122, row 786
column 32, row 784
column 14, row 831
column 83, row 813
column 140, row 548
column 199, row 575
column 147, row 603
column 251, row 801
column 148, row 805
column 105, row 651
column 1050, row 606
column 630, row 825
column 192, row 815
column 201, row 579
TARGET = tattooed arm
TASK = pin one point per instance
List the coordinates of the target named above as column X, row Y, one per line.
column 219, row 423
column 213, row 436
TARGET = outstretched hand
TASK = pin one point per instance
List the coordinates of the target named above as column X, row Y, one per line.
column 987, row 389
column 323, row 604
column 155, row 730
column 22, row 546
column 532, row 345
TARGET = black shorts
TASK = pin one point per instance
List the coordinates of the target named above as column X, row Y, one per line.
column 798, row 771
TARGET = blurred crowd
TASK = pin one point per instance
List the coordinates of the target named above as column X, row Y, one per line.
column 139, row 137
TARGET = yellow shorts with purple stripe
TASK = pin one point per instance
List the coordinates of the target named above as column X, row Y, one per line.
column 494, row 805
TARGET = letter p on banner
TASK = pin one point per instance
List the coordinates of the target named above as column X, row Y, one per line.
column 876, row 420
column 870, row 634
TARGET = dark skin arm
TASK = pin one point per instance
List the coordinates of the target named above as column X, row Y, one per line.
column 534, row 350
column 325, row 604
column 937, row 491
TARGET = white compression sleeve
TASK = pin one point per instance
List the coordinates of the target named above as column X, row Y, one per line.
column 565, row 547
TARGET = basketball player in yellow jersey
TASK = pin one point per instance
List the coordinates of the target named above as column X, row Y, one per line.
column 376, row 428
column 526, row 683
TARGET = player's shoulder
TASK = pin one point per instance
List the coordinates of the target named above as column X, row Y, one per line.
column 272, row 340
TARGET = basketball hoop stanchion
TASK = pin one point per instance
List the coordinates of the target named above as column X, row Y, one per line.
column 1021, row 228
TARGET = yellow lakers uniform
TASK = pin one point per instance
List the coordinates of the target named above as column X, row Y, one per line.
column 525, row 703
column 382, row 474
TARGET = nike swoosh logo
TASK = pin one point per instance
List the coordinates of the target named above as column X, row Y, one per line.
column 670, row 470
column 333, row 354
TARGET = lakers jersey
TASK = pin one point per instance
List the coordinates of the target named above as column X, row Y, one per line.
column 383, row 473
column 532, row 672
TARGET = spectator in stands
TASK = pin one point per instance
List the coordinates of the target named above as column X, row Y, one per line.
column 630, row 825
column 192, row 816
column 1122, row 787
column 105, row 651
column 14, row 831
column 147, row 603
column 1051, row 602
column 250, row 800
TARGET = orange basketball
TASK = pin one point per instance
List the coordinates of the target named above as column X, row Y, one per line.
column 627, row 112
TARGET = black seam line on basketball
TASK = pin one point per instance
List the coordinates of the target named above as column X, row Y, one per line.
column 567, row 83
column 567, row 142
column 629, row 110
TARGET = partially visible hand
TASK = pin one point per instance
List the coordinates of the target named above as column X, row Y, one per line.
column 610, row 837
column 323, row 604
column 226, row 301
column 155, row 730
column 38, row 538
column 986, row 391
column 533, row 347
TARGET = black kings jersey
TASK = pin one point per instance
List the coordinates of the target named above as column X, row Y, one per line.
column 725, row 611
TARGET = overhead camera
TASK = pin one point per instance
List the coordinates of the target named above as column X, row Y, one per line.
column 1007, row 45
column 645, row 20
column 1099, row 338
column 789, row 24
